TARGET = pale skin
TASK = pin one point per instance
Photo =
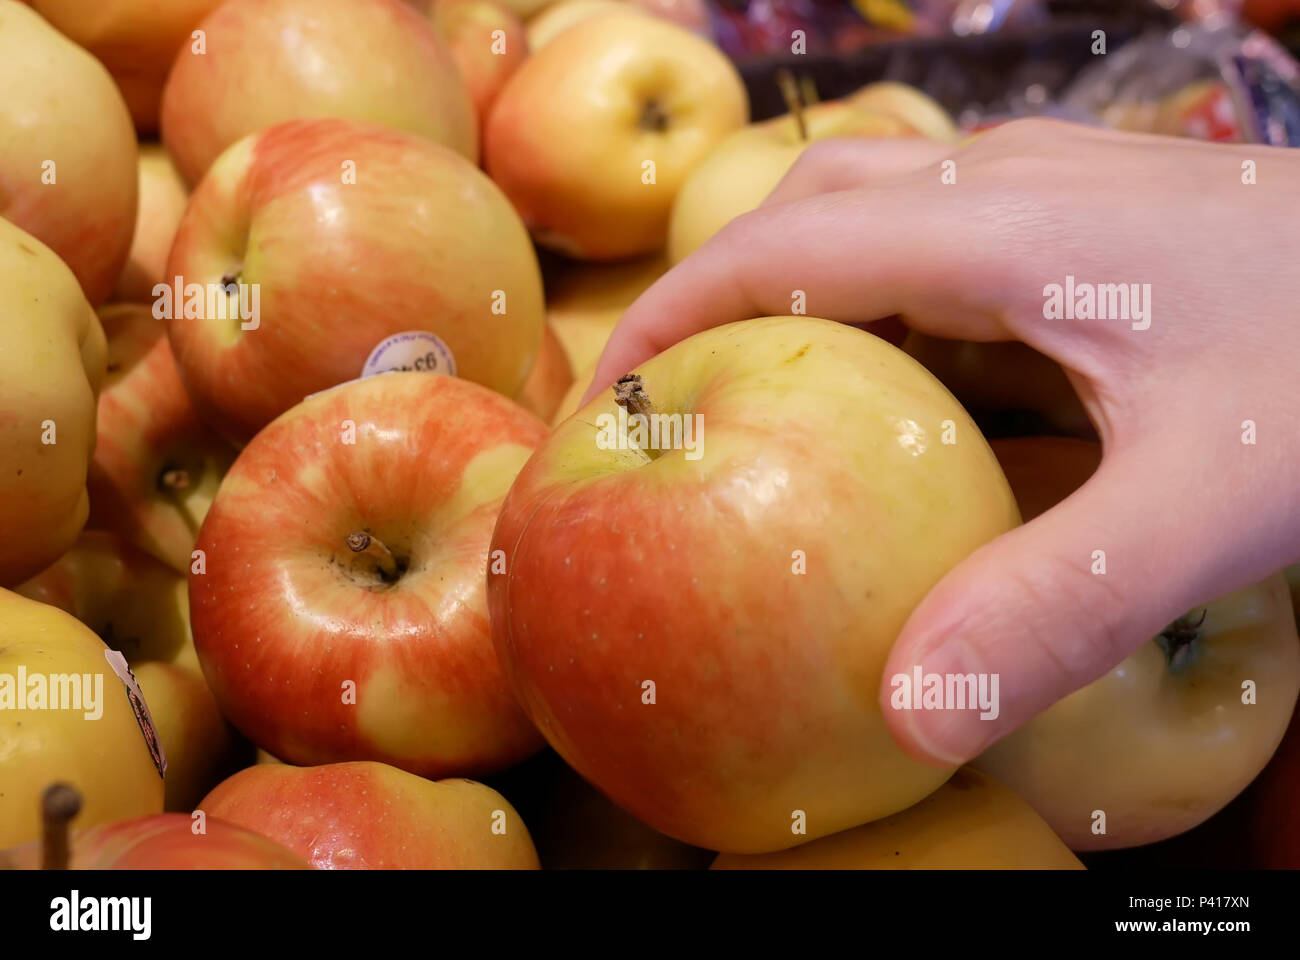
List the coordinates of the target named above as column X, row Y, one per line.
column 1183, row 508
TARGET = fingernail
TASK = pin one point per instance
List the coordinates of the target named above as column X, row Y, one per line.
column 946, row 723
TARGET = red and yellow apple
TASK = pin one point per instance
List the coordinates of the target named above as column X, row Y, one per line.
column 156, row 466
column 558, row 17
column 593, row 135
column 487, row 42
column 262, row 62
column 91, row 741
column 67, row 150
column 162, row 199
column 584, row 302
column 369, row 816
column 135, row 39
column 699, row 628
column 302, row 214
column 137, row 605
column 342, row 613
column 550, row 381
column 1108, row 766
column 972, row 822
column 51, row 364
column 165, row 841
column 745, row 167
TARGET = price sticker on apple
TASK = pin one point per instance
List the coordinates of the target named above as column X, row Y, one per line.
column 135, row 696
column 416, row 350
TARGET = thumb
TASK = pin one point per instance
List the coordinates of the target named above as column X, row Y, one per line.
column 1046, row 609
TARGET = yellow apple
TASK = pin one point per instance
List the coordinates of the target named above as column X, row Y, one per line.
column 140, row 606
column 972, row 822
column 908, row 104
column 568, row 405
column 94, row 744
column 743, row 169
column 585, row 301
column 594, row 135
column 550, row 381
column 52, row 354
column 558, row 17
column 67, row 150
column 162, row 199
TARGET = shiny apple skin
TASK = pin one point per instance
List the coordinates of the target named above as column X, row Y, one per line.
column 1158, row 749
column 286, row 613
column 147, row 426
column 268, row 61
column 566, row 141
column 370, row 816
column 60, row 106
column 420, row 242
column 819, row 438
column 163, row 195
column 972, row 822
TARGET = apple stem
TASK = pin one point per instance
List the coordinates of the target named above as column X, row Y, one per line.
column 361, row 542
column 59, row 804
column 654, row 117
column 793, row 100
column 630, row 393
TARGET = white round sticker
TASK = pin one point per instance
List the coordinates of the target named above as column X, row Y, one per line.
column 412, row 350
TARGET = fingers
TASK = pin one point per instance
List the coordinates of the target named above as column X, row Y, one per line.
column 852, row 257
column 1051, row 606
column 829, row 166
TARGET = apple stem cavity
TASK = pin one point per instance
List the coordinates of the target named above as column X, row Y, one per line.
column 1178, row 640
column 361, row 542
column 59, row 805
column 654, row 117
column 175, row 480
column 794, row 101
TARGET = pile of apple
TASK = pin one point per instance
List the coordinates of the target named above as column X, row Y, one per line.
column 341, row 583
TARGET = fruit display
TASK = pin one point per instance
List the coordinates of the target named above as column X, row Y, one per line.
column 319, row 549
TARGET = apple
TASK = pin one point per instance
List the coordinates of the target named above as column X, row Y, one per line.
column 363, row 815
column 745, row 167
column 162, row 198
column 279, row 216
column 164, row 841
column 572, row 398
column 135, row 39
column 584, row 302
column 156, row 466
column 67, row 152
column 593, row 135
column 558, row 17
column 700, row 628
column 92, row 741
column 51, row 364
column 363, row 633
column 487, row 42
column 261, row 62
column 137, row 605
column 1270, row 805
column 908, row 104
column 972, row 822
column 691, row 14
column 550, row 380
column 992, row 379
column 1120, row 746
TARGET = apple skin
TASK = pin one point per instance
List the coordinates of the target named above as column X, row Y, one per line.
column 135, row 39
column 268, row 61
column 745, row 167
column 61, row 107
column 164, row 841
column 620, row 570
column 1122, row 743
column 558, row 17
column 140, row 607
column 106, row 759
column 146, row 430
column 584, row 302
column 570, row 132
column 468, row 27
column 972, row 822
column 369, row 816
column 286, row 614
column 43, row 502
column 162, row 199
column 550, row 381
column 908, row 104
column 336, row 278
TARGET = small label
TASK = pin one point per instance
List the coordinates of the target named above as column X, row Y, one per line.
column 414, row 350
column 135, row 696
